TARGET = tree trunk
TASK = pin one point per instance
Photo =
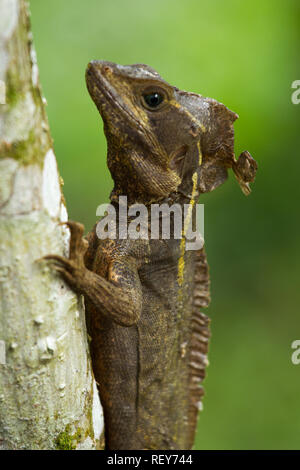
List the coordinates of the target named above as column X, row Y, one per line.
column 48, row 396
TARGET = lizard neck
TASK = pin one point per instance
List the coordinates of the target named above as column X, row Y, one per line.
column 177, row 197
column 128, row 184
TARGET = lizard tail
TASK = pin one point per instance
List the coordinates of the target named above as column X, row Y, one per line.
column 200, row 334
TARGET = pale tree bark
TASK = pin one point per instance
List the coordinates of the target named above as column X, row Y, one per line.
column 48, row 396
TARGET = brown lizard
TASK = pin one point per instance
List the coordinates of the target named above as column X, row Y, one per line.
column 143, row 296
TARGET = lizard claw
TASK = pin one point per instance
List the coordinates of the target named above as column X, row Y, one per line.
column 72, row 269
column 60, row 261
column 78, row 245
column 74, row 226
column 65, row 275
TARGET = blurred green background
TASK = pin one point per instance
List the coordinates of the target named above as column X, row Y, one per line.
column 246, row 55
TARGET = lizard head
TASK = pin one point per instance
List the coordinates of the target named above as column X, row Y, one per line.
column 161, row 140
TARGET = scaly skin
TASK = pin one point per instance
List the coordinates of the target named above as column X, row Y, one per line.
column 143, row 297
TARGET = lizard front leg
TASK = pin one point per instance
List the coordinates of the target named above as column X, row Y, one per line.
column 72, row 269
column 119, row 297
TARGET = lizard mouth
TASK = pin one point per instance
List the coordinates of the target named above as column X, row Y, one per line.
column 103, row 92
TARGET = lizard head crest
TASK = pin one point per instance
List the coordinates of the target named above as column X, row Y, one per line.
column 158, row 136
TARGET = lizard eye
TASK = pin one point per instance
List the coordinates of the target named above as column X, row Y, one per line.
column 153, row 100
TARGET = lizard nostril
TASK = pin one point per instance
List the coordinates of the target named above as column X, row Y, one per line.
column 106, row 69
